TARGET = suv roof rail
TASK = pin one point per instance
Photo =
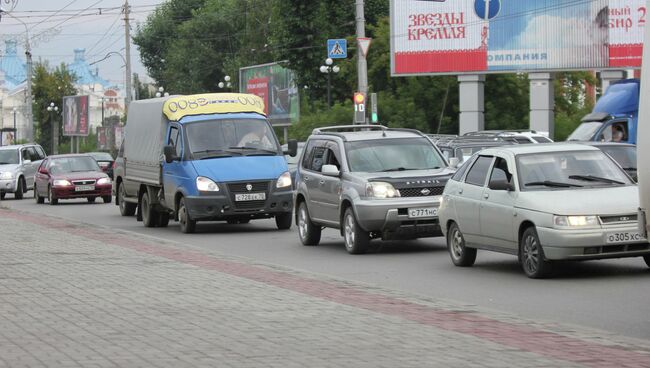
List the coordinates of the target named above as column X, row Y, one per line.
column 348, row 128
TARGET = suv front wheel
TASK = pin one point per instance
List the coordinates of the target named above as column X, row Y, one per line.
column 308, row 232
column 356, row 239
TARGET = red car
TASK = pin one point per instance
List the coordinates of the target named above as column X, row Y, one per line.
column 71, row 176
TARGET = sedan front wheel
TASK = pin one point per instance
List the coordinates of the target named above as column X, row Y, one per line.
column 461, row 256
column 531, row 255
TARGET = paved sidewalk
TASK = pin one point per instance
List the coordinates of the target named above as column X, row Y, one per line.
column 73, row 296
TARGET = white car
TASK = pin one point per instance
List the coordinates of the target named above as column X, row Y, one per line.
column 542, row 203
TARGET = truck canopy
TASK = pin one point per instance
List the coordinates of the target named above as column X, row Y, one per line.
column 621, row 98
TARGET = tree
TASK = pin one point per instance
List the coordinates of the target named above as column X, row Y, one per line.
column 141, row 90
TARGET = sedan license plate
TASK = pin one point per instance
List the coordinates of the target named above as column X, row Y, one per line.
column 250, row 197
column 423, row 212
column 623, row 237
column 84, row 188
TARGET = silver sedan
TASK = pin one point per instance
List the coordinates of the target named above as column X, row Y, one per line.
column 542, row 203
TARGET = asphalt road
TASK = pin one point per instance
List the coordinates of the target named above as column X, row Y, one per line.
column 612, row 295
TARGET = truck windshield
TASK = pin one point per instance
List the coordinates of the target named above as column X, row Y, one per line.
column 398, row 154
column 585, row 131
column 230, row 137
column 8, row 156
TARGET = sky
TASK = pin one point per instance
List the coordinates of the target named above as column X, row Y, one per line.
column 79, row 25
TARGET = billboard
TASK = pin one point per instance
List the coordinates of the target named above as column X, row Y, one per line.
column 276, row 86
column 75, row 116
column 487, row 36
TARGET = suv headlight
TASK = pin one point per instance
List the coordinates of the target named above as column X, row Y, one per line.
column 380, row 189
column 204, row 184
column 61, row 183
column 575, row 221
column 284, row 180
column 7, row 175
column 103, row 181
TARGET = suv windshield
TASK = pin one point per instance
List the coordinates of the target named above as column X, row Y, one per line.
column 396, row 154
column 8, row 156
column 585, row 131
column 229, row 137
column 567, row 170
column 66, row 165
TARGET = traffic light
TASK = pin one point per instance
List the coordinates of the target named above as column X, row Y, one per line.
column 374, row 118
column 359, row 108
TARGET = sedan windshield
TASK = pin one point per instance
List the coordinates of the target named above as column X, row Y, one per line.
column 585, row 131
column 8, row 156
column 65, row 165
column 397, row 154
column 231, row 137
column 566, row 170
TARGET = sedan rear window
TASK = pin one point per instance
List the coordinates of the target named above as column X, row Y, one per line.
column 478, row 173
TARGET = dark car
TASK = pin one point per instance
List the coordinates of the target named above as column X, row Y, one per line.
column 292, row 162
column 71, row 176
column 623, row 153
column 105, row 161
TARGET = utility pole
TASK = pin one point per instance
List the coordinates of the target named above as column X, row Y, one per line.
column 362, row 65
column 127, row 35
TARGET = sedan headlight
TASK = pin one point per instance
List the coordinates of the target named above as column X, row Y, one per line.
column 103, row 181
column 61, row 183
column 204, row 184
column 575, row 221
column 284, row 180
column 7, row 175
column 380, row 189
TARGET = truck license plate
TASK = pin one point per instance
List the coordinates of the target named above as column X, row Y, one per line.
column 623, row 237
column 250, row 197
column 423, row 212
column 84, row 188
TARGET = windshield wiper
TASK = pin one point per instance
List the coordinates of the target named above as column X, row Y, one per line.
column 595, row 178
column 254, row 149
column 399, row 169
column 219, row 152
column 550, row 183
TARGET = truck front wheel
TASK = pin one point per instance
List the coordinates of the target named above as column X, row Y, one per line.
column 188, row 225
column 283, row 221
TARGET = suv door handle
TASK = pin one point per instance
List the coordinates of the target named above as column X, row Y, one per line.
column 486, row 195
column 305, row 178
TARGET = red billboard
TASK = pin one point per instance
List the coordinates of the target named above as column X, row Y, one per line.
column 75, row 116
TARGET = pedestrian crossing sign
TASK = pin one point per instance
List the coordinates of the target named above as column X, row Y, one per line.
column 337, row 48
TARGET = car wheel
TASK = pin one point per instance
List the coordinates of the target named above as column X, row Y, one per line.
column 149, row 215
column 163, row 219
column 126, row 208
column 531, row 255
column 91, row 199
column 188, row 225
column 20, row 189
column 283, row 221
column 646, row 258
column 356, row 239
column 37, row 197
column 461, row 255
column 107, row 199
column 2, row 195
column 51, row 198
column 308, row 232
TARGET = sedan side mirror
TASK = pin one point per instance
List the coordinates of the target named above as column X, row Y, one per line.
column 292, row 146
column 170, row 154
column 330, row 170
column 501, row 185
column 454, row 162
column 43, row 170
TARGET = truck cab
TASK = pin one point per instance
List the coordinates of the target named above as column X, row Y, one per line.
column 614, row 117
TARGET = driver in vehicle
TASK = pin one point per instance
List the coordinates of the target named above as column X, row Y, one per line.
column 257, row 138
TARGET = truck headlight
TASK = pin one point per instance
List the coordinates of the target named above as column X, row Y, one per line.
column 103, row 181
column 575, row 221
column 61, row 183
column 380, row 189
column 284, row 180
column 7, row 175
column 204, row 184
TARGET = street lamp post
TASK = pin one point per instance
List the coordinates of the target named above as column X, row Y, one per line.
column 15, row 110
column 328, row 69
column 227, row 83
column 55, row 128
column 161, row 92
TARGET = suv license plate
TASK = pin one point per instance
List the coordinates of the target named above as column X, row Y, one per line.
column 84, row 188
column 250, row 197
column 623, row 237
column 423, row 212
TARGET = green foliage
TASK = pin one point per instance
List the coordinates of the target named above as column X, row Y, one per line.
column 87, row 144
column 141, row 90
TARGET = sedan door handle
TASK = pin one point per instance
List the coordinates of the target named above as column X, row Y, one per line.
column 486, row 195
column 305, row 178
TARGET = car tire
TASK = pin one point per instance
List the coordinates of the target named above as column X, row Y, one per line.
column 308, row 233
column 20, row 189
column 91, row 199
column 2, row 195
column 126, row 208
column 107, row 199
column 149, row 214
column 51, row 198
column 188, row 226
column 355, row 238
column 37, row 197
column 531, row 255
column 461, row 255
column 283, row 221
column 163, row 219
column 646, row 258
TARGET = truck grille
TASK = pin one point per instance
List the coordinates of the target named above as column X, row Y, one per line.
column 242, row 187
column 421, row 192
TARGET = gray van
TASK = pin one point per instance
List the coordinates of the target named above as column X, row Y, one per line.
column 18, row 164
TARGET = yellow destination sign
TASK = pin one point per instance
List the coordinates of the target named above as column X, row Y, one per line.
column 211, row 103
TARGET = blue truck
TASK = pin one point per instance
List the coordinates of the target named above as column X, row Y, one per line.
column 208, row 157
column 614, row 117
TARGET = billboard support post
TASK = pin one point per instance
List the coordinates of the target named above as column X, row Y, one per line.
column 609, row 76
column 472, row 106
column 542, row 103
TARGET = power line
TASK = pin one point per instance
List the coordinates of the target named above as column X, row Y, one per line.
column 57, row 12
column 105, row 33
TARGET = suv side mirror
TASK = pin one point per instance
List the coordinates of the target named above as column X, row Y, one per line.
column 501, row 185
column 170, row 154
column 330, row 170
column 454, row 162
column 292, row 146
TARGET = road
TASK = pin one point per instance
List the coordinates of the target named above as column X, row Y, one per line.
column 611, row 295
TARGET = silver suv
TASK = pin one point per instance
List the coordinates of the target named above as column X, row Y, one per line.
column 370, row 182
column 18, row 165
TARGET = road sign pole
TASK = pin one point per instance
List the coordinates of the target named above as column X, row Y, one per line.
column 362, row 66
